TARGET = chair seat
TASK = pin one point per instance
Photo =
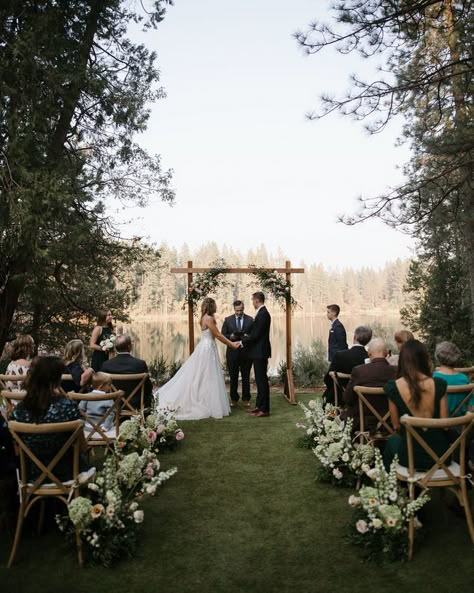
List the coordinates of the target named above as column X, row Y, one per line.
column 96, row 436
column 82, row 478
column 438, row 475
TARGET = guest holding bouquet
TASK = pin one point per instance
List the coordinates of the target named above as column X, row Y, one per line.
column 75, row 364
column 102, row 339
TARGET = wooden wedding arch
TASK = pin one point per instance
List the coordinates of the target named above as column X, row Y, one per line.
column 289, row 388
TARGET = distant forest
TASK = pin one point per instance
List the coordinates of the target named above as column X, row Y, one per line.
column 159, row 293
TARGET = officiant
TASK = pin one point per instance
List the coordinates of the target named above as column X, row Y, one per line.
column 235, row 327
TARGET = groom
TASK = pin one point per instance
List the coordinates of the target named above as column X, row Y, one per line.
column 259, row 351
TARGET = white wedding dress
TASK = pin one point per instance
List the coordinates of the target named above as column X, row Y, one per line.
column 198, row 389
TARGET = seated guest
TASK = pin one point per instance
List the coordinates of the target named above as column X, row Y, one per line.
column 22, row 351
column 44, row 404
column 74, row 365
column 374, row 374
column 447, row 356
column 345, row 360
column 401, row 336
column 102, row 383
column 126, row 364
column 418, row 394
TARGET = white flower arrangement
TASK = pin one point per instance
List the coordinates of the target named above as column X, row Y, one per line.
column 383, row 511
column 342, row 461
column 162, row 427
column 108, row 514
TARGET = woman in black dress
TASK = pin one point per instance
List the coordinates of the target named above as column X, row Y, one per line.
column 102, row 331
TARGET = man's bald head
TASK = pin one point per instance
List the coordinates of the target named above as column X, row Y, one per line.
column 123, row 343
column 377, row 348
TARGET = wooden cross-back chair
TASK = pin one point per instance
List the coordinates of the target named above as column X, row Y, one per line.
column 442, row 474
column 336, row 377
column 10, row 399
column 126, row 407
column 94, row 430
column 47, row 484
column 468, row 390
column 383, row 427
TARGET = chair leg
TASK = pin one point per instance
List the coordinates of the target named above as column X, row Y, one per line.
column 79, row 548
column 41, row 517
column 467, row 509
column 411, row 536
column 16, row 541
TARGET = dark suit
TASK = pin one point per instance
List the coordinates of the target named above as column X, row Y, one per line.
column 337, row 339
column 259, row 351
column 126, row 364
column 238, row 360
column 374, row 374
column 343, row 362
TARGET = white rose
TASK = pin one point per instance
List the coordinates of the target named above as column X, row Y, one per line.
column 362, row 526
column 354, row 500
column 133, row 506
column 151, row 490
column 337, row 473
column 345, row 457
column 377, row 523
column 393, row 496
column 372, row 473
column 138, row 516
column 312, row 404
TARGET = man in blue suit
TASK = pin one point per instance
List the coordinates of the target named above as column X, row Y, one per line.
column 337, row 334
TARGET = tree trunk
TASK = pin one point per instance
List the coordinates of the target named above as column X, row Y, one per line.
column 461, row 122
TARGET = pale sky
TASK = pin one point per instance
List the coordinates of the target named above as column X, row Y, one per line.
column 249, row 168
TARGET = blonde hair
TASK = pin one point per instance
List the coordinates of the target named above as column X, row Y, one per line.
column 22, row 347
column 99, row 379
column 208, row 307
column 74, row 352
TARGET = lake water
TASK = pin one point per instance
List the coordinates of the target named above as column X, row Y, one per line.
column 170, row 336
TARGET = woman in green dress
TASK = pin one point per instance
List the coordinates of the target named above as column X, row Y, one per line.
column 102, row 331
column 416, row 393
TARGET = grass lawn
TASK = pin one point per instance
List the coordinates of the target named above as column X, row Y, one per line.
column 244, row 514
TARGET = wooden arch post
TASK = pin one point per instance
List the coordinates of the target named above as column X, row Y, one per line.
column 289, row 388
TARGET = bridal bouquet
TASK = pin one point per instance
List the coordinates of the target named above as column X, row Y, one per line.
column 108, row 515
column 109, row 343
column 382, row 512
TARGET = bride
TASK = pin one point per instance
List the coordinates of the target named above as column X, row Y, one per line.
column 198, row 389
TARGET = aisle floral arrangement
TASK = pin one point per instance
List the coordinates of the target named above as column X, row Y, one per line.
column 382, row 512
column 108, row 515
column 341, row 461
column 159, row 432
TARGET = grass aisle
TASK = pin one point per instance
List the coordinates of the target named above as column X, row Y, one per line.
column 244, row 514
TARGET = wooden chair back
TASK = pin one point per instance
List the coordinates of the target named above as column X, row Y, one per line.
column 468, row 390
column 469, row 371
column 336, row 377
column 126, row 407
column 7, row 380
column 383, row 428
column 10, row 399
column 94, row 430
column 427, row 478
column 18, row 429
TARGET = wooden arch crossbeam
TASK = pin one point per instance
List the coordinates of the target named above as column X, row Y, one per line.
column 190, row 270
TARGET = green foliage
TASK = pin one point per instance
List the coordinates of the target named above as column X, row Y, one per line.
column 309, row 365
column 161, row 370
column 75, row 91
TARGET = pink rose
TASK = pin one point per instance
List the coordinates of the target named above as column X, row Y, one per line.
column 160, row 428
column 151, row 436
column 149, row 471
column 179, row 435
